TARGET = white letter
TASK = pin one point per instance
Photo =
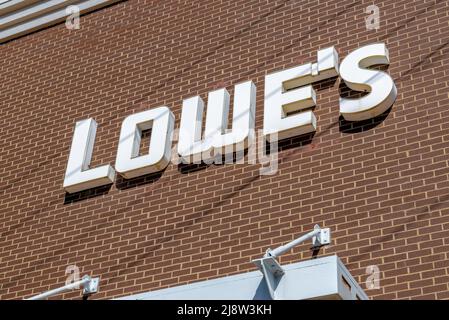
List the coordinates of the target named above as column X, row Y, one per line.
column 217, row 139
column 128, row 163
column 282, row 96
column 381, row 88
column 78, row 176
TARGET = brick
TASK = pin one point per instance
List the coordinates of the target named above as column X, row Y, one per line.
column 382, row 186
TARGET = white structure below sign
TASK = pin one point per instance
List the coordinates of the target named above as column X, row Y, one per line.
column 322, row 278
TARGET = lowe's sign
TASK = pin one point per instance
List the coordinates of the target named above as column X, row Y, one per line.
column 289, row 98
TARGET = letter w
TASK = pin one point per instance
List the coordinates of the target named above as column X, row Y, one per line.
column 217, row 139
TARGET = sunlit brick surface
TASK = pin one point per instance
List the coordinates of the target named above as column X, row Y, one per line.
column 382, row 186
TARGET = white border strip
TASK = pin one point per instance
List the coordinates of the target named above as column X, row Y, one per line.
column 49, row 19
column 32, row 11
column 13, row 5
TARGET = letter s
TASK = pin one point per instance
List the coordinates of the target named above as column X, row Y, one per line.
column 381, row 88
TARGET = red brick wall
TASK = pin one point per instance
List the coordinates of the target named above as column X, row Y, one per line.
column 382, row 186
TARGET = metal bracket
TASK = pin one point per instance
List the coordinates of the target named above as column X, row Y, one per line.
column 271, row 264
column 270, row 267
column 272, row 273
column 91, row 286
column 322, row 238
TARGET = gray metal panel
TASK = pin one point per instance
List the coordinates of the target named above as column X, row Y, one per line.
column 313, row 279
column 355, row 292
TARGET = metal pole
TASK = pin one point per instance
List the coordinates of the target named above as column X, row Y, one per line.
column 286, row 247
column 75, row 285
